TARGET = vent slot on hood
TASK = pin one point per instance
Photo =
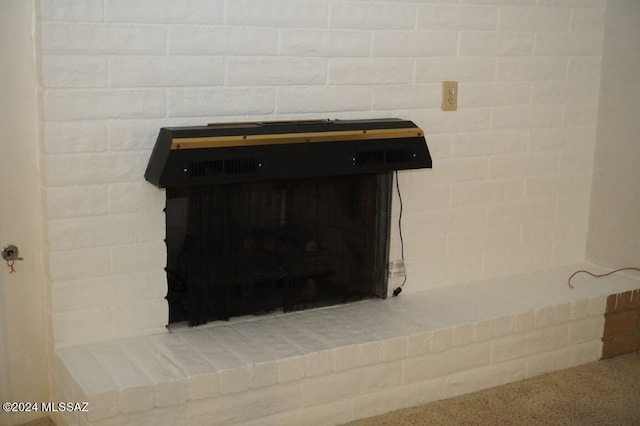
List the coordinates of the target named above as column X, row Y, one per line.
column 230, row 167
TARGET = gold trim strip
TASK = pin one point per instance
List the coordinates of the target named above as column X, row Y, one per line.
column 289, row 138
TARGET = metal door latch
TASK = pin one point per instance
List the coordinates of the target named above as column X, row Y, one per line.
column 10, row 253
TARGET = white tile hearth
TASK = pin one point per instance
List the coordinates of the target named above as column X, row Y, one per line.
column 332, row 365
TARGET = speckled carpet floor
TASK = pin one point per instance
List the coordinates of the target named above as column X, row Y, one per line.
column 600, row 393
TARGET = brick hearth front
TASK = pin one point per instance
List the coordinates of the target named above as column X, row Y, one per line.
column 333, row 365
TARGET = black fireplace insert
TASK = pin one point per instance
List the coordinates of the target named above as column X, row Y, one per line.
column 278, row 216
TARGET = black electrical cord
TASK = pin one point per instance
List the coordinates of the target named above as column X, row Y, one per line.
column 398, row 289
column 631, row 268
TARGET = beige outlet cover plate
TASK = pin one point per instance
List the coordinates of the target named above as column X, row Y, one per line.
column 449, row 95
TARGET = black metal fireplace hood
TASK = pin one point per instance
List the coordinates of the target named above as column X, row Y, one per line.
column 253, row 151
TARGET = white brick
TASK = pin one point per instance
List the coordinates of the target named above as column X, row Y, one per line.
column 557, row 184
column 318, row 363
column 532, row 68
column 370, row 71
column 523, row 321
column 394, row 349
column 263, row 374
column 331, row 387
column 569, row 44
column 419, row 248
column 477, row 144
column 357, row 15
column 464, row 120
column 73, row 71
column 206, row 40
column 547, row 362
column 573, row 3
column 87, row 169
column 246, row 406
column 135, row 197
column 124, row 135
column 71, row 10
column 584, row 68
column 136, row 287
column 203, row 386
column 461, row 69
column 418, row 344
column 441, row 340
column 561, row 313
column 543, row 317
column 346, row 357
column 506, row 2
column 597, row 306
column 79, row 294
column 424, row 223
column 503, row 326
column 74, row 201
column 460, row 170
column 79, row 264
column 486, row 192
column 549, row 92
column 291, row 369
column 495, row 44
column 194, row 11
column 411, row 43
column 132, row 318
column 582, row 115
column 484, row 377
column 406, row 96
column 275, row 71
column 96, row 231
column 169, row 11
column 162, row 71
column 324, row 43
column 96, row 39
column 323, row 99
column 462, row 335
column 528, row 211
column 583, row 353
column 484, row 330
column 576, row 160
column 138, row 257
column 519, row 117
column 209, row 102
column 101, row 103
column 141, row 11
column 587, row 19
column 590, row 328
column 523, row 164
column 428, row 197
column 534, row 19
column 478, row 240
column 441, row 271
column 279, row 13
column 74, row 137
column 431, row 366
column 530, row 343
column 493, row 94
column 451, row 18
column 81, row 326
column 234, row 380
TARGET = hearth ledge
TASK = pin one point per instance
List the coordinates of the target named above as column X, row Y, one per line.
column 337, row 364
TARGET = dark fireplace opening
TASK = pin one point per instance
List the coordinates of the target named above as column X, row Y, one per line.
column 256, row 247
column 289, row 215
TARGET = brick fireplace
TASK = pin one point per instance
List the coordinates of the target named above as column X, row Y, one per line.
column 509, row 195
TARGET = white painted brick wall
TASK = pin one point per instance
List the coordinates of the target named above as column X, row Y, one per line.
column 512, row 167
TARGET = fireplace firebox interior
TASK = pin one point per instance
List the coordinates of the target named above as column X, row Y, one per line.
column 278, row 216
